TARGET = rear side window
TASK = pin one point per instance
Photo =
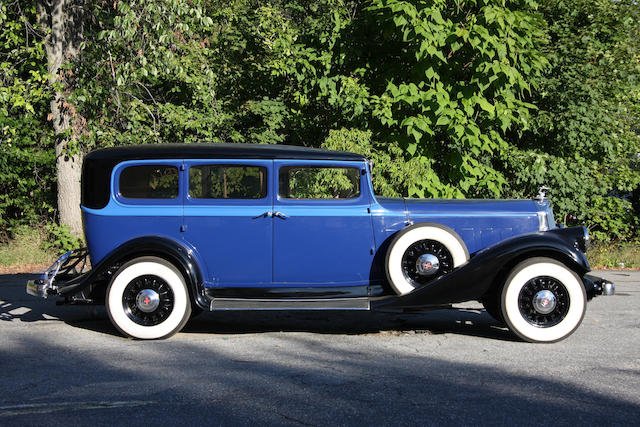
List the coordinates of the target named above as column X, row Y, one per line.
column 302, row 182
column 227, row 182
column 149, row 182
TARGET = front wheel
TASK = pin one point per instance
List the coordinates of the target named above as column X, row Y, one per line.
column 148, row 299
column 543, row 300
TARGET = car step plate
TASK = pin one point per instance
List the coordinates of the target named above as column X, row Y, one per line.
column 290, row 304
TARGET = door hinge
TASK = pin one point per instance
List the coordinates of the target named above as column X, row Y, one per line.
column 183, row 228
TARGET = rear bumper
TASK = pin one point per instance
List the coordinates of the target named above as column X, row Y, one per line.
column 37, row 288
column 68, row 266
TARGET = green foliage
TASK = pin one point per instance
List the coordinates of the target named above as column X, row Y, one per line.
column 393, row 175
column 448, row 98
column 584, row 138
column 615, row 255
column 60, row 240
column 27, row 159
column 459, row 80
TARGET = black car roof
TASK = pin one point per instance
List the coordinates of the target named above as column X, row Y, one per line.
column 190, row 151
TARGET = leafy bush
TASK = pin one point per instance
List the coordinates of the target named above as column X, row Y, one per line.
column 27, row 159
column 583, row 141
column 478, row 98
column 60, row 240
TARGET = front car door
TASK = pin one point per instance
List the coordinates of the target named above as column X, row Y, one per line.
column 227, row 220
column 322, row 224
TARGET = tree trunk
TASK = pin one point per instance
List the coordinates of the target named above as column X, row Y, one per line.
column 63, row 19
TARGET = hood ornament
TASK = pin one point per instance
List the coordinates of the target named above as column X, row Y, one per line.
column 542, row 193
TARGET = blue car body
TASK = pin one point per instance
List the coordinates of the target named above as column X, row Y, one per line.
column 320, row 243
column 243, row 227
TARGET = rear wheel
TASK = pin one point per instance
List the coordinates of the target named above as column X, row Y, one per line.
column 148, row 299
column 543, row 300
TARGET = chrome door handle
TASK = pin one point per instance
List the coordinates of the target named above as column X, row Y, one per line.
column 267, row 214
column 280, row 215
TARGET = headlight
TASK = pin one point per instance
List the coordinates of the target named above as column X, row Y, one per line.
column 586, row 239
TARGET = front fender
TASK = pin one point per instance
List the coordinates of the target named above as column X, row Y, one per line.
column 183, row 257
column 488, row 268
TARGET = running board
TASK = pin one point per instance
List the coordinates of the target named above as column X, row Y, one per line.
column 289, row 304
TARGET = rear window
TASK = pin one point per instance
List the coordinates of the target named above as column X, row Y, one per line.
column 227, row 182
column 302, row 182
column 149, row 182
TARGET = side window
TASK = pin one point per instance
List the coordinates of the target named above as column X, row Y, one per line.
column 149, row 182
column 227, row 182
column 306, row 182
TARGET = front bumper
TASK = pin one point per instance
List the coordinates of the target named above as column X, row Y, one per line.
column 595, row 285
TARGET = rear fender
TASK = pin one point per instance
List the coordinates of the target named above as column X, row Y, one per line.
column 183, row 257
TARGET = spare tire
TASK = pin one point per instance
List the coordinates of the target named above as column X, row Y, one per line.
column 421, row 253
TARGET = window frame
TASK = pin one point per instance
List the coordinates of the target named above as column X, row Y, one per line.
column 120, row 167
column 363, row 197
column 265, row 180
column 267, row 164
column 357, row 171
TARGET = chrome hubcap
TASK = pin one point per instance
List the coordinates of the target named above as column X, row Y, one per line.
column 147, row 300
column 427, row 265
column 544, row 302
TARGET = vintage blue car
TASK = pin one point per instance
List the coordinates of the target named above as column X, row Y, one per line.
column 174, row 229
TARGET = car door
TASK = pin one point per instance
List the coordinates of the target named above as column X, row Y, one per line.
column 322, row 224
column 227, row 219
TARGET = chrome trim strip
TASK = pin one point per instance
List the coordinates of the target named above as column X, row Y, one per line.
column 290, row 304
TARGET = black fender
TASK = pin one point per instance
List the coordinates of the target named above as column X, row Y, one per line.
column 163, row 247
column 488, row 268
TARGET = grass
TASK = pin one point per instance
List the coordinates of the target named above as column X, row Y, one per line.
column 615, row 255
column 25, row 247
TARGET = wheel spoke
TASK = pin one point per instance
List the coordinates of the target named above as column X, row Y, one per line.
column 552, row 292
column 153, row 285
column 424, row 248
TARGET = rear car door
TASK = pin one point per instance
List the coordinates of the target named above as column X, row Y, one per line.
column 227, row 220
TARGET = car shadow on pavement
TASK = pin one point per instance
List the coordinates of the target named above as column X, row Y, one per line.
column 457, row 321
column 16, row 305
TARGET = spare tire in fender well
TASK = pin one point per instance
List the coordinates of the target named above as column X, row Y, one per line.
column 439, row 235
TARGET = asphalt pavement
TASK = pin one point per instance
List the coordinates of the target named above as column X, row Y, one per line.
column 66, row 365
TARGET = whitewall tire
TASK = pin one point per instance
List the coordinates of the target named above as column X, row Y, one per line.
column 543, row 300
column 421, row 253
column 148, row 299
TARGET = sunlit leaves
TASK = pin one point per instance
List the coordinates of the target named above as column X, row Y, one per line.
column 479, row 58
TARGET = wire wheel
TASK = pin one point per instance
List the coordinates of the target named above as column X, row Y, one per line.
column 544, row 301
column 426, row 260
column 148, row 300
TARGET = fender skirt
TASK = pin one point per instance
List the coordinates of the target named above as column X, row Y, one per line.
column 487, row 269
column 163, row 247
